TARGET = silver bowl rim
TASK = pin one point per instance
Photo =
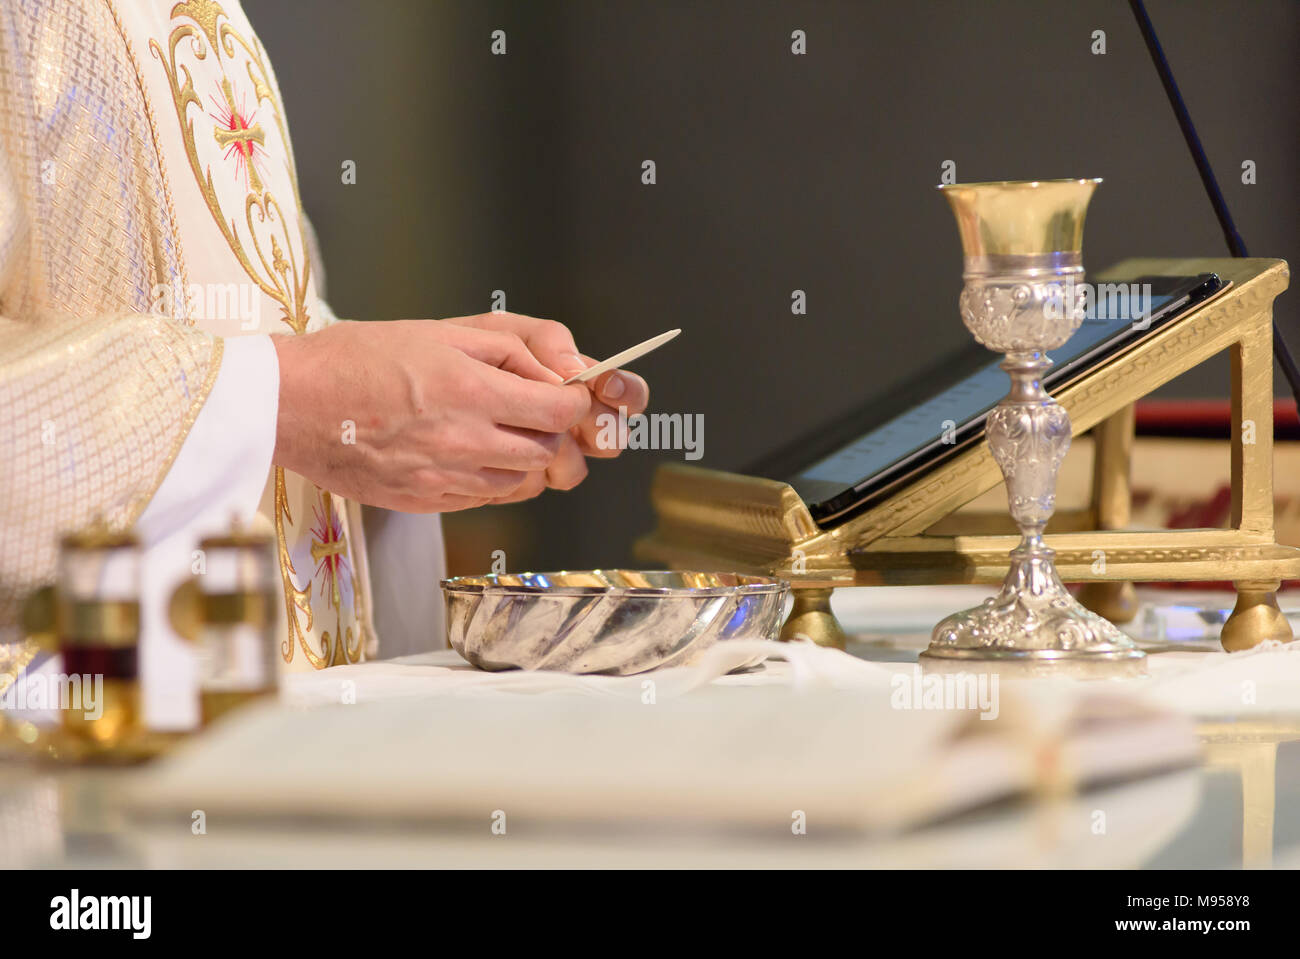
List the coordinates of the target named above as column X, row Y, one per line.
column 758, row 585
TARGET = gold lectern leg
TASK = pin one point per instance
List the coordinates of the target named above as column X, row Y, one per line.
column 1255, row 762
column 1258, row 796
column 811, row 618
column 1255, row 618
column 1112, row 502
column 1113, row 600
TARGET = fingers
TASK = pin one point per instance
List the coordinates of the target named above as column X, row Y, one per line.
column 617, row 388
column 520, row 449
column 551, row 342
column 567, row 471
column 532, row 486
column 542, row 430
column 492, row 482
column 495, row 449
column 613, row 390
column 594, row 435
column 442, row 503
column 484, row 483
column 527, row 346
column 621, row 388
column 569, row 467
column 513, row 401
column 502, row 349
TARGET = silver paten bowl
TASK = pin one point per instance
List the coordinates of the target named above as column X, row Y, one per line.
column 614, row 621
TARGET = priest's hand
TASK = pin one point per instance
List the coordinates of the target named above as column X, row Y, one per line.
column 422, row 416
column 553, row 345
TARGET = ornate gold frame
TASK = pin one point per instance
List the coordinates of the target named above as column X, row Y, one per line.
column 713, row 520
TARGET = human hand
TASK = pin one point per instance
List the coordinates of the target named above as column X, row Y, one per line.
column 445, row 415
column 553, row 345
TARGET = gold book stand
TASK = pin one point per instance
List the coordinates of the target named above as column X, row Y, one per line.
column 713, row 520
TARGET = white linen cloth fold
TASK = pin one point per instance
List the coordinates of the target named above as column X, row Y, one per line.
column 1261, row 681
column 444, row 673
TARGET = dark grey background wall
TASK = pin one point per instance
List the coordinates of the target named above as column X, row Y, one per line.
column 776, row 172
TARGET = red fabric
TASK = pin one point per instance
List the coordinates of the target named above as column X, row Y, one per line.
column 1180, row 417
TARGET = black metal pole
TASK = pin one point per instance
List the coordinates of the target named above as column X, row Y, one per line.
column 1236, row 245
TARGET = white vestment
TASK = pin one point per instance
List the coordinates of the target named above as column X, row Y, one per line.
column 151, row 240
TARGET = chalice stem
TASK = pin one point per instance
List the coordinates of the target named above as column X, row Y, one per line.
column 1029, row 435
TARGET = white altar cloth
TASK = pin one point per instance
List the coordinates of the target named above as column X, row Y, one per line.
column 1200, row 683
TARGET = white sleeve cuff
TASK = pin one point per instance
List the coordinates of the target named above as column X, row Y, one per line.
column 222, row 467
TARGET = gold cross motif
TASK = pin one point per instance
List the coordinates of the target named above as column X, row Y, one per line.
column 331, row 549
column 243, row 138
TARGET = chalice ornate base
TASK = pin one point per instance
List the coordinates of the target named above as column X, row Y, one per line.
column 1022, row 297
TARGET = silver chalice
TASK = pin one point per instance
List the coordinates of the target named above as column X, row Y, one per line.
column 1022, row 296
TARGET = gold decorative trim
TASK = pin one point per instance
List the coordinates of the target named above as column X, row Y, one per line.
column 17, row 661
column 294, row 598
column 211, row 22
column 210, row 32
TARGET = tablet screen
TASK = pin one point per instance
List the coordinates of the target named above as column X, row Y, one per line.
column 958, row 404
